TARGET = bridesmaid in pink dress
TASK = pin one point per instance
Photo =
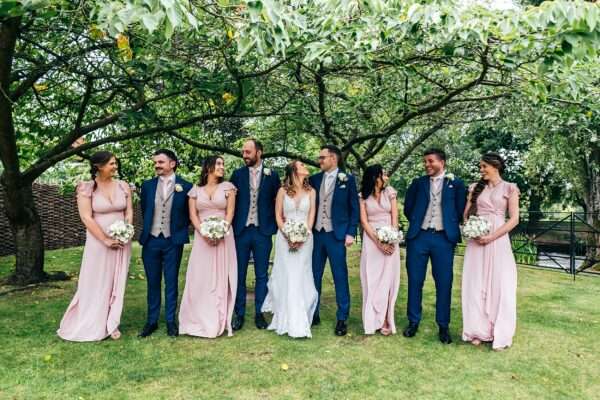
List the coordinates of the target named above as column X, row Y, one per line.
column 489, row 281
column 211, row 279
column 95, row 311
column 379, row 263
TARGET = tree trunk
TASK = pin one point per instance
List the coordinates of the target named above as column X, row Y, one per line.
column 26, row 228
column 22, row 215
column 535, row 212
column 592, row 202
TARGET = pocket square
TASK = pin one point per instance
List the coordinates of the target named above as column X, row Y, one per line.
column 343, row 187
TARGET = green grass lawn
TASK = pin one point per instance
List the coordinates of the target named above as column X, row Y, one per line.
column 556, row 352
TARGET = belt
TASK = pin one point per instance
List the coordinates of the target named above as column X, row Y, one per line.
column 432, row 230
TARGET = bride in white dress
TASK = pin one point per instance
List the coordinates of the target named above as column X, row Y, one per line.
column 292, row 297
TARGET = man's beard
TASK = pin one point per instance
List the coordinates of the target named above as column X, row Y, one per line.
column 250, row 162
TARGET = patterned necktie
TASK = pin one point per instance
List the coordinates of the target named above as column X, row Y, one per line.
column 166, row 187
column 254, row 173
column 330, row 181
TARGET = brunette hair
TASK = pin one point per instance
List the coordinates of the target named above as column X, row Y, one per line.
column 97, row 160
column 208, row 165
column 369, row 180
column 496, row 161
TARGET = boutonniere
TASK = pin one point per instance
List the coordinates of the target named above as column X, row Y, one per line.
column 178, row 188
column 342, row 177
column 267, row 171
column 449, row 176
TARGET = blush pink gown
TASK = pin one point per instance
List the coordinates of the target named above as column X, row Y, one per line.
column 379, row 274
column 95, row 311
column 211, row 279
column 489, row 281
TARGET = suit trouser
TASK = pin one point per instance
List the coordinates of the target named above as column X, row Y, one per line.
column 250, row 240
column 162, row 257
column 419, row 250
column 326, row 246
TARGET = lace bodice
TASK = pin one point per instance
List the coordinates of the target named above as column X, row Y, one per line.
column 296, row 209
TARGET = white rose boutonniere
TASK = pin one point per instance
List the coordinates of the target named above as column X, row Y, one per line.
column 267, row 171
column 449, row 176
column 178, row 188
column 342, row 177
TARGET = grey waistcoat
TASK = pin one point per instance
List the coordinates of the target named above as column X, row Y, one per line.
column 161, row 220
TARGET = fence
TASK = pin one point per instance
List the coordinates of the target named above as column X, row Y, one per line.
column 61, row 224
column 560, row 241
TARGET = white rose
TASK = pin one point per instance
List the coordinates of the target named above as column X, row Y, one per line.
column 449, row 176
column 267, row 171
column 178, row 188
column 342, row 177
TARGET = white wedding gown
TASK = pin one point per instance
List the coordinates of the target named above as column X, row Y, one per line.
column 292, row 297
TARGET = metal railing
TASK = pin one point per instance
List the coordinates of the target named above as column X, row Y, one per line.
column 560, row 241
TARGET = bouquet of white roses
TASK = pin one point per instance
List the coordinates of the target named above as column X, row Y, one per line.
column 388, row 235
column 214, row 228
column 121, row 231
column 476, row 227
column 295, row 231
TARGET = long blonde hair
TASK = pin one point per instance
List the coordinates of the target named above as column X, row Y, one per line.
column 291, row 173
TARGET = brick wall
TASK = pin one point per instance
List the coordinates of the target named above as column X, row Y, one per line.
column 60, row 220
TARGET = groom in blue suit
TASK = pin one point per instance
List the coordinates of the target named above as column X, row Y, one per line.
column 164, row 204
column 434, row 206
column 254, row 226
column 334, row 229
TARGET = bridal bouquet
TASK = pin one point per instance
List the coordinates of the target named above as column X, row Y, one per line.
column 476, row 227
column 214, row 228
column 121, row 231
column 388, row 235
column 295, row 231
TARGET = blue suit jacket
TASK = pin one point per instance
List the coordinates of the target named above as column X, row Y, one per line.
column 454, row 198
column 344, row 208
column 180, row 215
column 269, row 185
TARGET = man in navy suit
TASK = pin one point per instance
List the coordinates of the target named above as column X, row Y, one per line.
column 166, row 217
column 334, row 229
column 253, row 225
column 434, row 206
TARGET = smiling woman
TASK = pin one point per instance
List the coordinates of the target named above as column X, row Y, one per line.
column 95, row 311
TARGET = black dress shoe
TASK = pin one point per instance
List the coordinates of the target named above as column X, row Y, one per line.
column 341, row 328
column 316, row 320
column 260, row 321
column 238, row 322
column 444, row 336
column 172, row 329
column 411, row 330
column 148, row 330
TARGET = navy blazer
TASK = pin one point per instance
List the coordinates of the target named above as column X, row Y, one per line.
column 344, row 208
column 454, row 198
column 180, row 215
column 268, row 187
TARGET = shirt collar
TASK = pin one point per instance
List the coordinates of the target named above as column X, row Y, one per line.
column 257, row 167
column 332, row 173
column 168, row 178
column 439, row 176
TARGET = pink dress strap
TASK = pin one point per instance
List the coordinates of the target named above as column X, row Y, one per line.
column 391, row 192
column 124, row 186
column 228, row 187
column 510, row 189
column 85, row 188
column 193, row 193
